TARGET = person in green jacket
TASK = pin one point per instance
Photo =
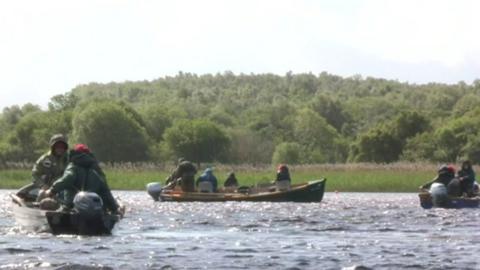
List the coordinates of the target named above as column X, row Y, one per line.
column 81, row 174
column 466, row 175
column 50, row 166
column 183, row 174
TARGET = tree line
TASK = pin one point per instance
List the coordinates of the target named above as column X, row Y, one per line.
column 254, row 119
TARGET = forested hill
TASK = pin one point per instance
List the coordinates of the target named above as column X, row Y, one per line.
column 264, row 118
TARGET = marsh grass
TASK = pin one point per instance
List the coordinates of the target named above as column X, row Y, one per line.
column 14, row 178
column 358, row 177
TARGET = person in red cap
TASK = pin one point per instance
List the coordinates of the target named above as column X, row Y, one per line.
column 82, row 148
column 283, row 180
column 282, row 173
column 446, row 176
column 82, row 174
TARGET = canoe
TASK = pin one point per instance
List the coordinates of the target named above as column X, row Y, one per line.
column 307, row 192
column 29, row 216
column 452, row 202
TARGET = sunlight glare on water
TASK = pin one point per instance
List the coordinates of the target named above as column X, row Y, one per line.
column 346, row 230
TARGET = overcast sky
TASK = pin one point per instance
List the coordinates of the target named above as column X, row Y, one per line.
column 48, row 47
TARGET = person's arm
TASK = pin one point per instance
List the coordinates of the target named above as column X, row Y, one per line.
column 428, row 184
column 64, row 182
column 173, row 176
column 108, row 199
column 170, row 178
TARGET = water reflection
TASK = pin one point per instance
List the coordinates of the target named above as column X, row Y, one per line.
column 380, row 231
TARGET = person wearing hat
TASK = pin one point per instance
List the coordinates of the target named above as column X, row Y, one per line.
column 282, row 173
column 82, row 174
column 283, row 179
column 208, row 177
column 466, row 176
column 50, row 166
column 184, row 175
column 231, row 181
column 171, row 179
column 446, row 175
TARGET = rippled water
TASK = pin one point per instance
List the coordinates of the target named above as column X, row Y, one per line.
column 375, row 230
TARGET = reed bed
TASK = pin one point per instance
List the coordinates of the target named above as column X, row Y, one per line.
column 398, row 166
column 163, row 166
column 14, row 178
column 353, row 177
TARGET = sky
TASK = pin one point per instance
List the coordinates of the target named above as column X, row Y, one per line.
column 49, row 47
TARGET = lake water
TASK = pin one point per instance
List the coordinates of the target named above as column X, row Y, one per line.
column 374, row 230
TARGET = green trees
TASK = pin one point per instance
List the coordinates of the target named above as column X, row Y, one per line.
column 377, row 145
column 318, row 139
column 287, row 152
column 249, row 147
column 386, row 142
column 272, row 121
column 112, row 131
column 465, row 104
column 421, row 147
column 63, row 102
column 29, row 137
column 454, row 139
column 471, row 149
column 28, row 134
column 331, row 110
column 409, row 124
column 197, row 140
column 254, row 118
column 156, row 119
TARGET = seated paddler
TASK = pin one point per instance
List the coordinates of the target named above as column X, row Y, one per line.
column 231, row 183
column 283, row 179
column 207, row 182
column 184, row 174
column 466, row 176
column 82, row 174
column 49, row 167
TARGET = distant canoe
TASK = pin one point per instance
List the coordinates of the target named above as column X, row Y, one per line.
column 32, row 218
column 308, row 192
column 452, row 202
